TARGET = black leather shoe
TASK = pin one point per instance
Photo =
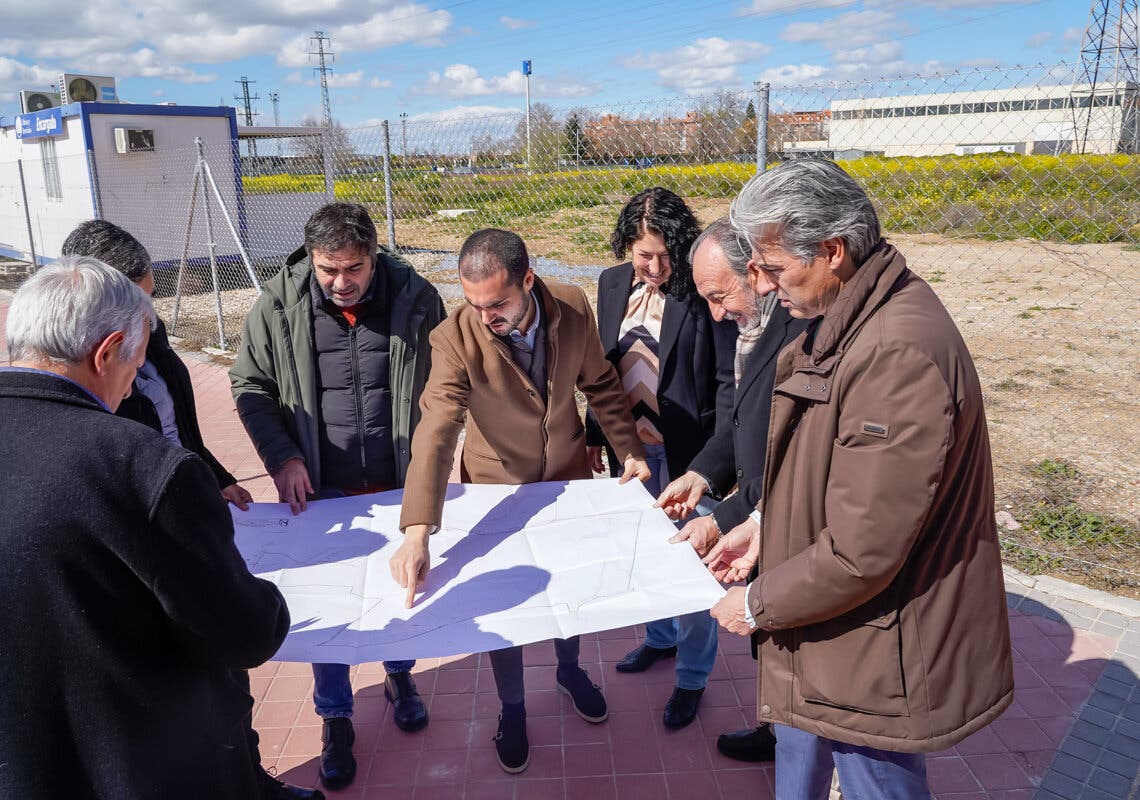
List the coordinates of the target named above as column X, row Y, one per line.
column 408, row 709
column 338, row 765
column 273, row 789
column 642, row 658
column 754, row 744
column 589, row 702
column 682, row 707
column 511, row 745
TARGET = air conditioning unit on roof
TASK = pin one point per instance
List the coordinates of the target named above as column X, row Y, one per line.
column 37, row 100
column 87, row 89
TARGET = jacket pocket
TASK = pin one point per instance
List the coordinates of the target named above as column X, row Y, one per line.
column 854, row 663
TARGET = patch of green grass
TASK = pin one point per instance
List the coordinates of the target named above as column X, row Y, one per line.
column 1070, row 524
column 1025, row 315
column 938, row 276
column 1054, row 468
column 1007, row 385
column 1027, row 559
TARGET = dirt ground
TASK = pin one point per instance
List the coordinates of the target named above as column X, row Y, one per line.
column 1054, row 332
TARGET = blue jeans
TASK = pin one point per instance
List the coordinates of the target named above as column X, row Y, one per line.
column 804, row 762
column 332, row 691
column 694, row 635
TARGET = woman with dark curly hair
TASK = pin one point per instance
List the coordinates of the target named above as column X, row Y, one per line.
column 676, row 365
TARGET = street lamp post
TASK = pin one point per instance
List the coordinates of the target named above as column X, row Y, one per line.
column 526, row 73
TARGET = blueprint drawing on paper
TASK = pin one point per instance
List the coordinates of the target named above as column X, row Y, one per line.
column 511, row 565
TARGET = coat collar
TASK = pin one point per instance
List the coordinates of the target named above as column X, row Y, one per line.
column 43, row 385
column 551, row 315
column 863, row 294
column 811, row 373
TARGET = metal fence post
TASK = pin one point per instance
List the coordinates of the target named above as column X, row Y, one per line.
column 27, row 212
column 389, row 206
column 328, row 165
column 762, row 90
column 96, row 192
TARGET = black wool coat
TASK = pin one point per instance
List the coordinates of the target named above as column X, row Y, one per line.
column 695, row 367
column 126, row 608
column 139, row 407
column 734, row 456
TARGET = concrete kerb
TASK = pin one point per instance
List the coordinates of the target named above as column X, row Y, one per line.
column 1083, row 597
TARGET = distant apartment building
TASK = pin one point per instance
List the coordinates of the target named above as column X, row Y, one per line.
column 613, row 136
column 797, row 133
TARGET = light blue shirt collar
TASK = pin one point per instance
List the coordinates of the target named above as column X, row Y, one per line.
column 532, row 331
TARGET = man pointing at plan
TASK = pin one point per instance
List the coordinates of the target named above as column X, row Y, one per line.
column 504, row 368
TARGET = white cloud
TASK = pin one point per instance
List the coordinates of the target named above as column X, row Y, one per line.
column 705, row 64
column 144, row 63
column 397, row 25
column 792, row 7
column 15, row 76
column 848, row 30
column 516, row 24
column 407, row 23
column 338, row 80
column 462, row 80
column 793, row 74
column 1073, row 36
column 345, row 80
column 162, row 39
column 878, row 53
column 1039, row 39
column 950, row 5
column 211, row 47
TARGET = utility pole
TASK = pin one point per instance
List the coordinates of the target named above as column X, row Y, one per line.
column 1106, row 80
column 526, row 73
column 324, row 58
column 247, row 105
column 404, row 134
column 275, row 98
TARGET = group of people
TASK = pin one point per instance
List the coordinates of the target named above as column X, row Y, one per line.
column 792, row 394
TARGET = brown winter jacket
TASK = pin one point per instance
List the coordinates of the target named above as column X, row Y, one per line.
column 513, row 437
column 880, row 573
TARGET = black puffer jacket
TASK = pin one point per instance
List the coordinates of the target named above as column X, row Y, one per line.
column 353, row 388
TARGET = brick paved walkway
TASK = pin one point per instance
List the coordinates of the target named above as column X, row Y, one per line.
column 1072, row 732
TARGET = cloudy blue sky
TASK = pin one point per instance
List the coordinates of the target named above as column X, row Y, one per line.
column 430, row 58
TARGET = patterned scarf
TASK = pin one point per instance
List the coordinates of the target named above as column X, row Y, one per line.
column 638, row 341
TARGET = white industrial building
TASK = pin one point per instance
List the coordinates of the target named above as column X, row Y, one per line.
column 84, row 160
column 1041, row 119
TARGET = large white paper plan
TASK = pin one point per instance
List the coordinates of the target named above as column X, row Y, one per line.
column 511, row 565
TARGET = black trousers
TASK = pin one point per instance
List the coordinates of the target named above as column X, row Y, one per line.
column 507, row 666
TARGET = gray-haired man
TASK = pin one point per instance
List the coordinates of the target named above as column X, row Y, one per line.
column 734, row 457
column 119, row 681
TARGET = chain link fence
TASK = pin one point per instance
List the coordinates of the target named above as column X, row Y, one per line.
column 1012, row 192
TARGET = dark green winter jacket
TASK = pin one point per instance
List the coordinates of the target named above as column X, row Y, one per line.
column 274, row 379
